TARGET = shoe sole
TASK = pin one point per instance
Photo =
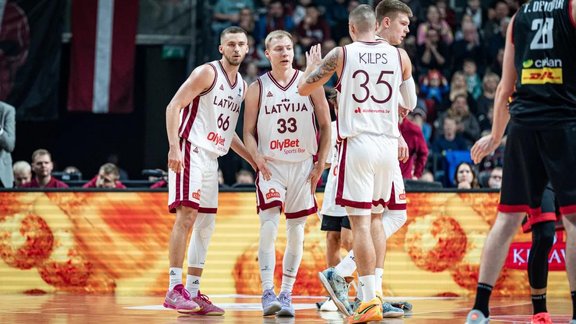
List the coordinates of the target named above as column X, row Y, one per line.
column 182, row 311
column 285, row 313
column 392, row 315
column 335, row 299
column 272, row 309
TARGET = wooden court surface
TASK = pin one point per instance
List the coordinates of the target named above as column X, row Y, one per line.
column 68, row 308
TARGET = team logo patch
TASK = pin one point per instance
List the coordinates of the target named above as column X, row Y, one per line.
column 272, row 193
column 196, row 195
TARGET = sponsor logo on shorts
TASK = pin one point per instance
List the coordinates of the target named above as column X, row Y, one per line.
column 196, row 195
column 272, row 193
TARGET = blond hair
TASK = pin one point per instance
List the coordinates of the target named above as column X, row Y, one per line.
column 275, row 35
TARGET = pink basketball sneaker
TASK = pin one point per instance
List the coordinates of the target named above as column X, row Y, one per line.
column 206, row 306
column 179, row 299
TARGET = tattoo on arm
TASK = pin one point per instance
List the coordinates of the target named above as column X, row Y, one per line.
column 327, row 67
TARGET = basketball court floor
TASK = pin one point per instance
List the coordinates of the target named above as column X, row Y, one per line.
column 68, row 308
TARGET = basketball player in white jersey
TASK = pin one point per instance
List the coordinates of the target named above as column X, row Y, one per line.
column 280, row 134
column 372, row 77
column 200, row 121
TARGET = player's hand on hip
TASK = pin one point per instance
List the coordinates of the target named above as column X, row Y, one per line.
column 315, row 175
column 483, row 147
column 403, row 153
column 262, row 166
column 175, row 159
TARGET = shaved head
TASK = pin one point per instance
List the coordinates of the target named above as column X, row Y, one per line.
column 363, row 18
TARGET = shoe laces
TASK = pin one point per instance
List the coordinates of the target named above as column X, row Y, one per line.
column 284, row 299
column 185, row 293
column 204, row 297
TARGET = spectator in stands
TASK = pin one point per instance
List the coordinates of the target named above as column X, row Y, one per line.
column 7, row 143
column 274, row 19
column 108, row 177
column 473, row 82
column 246, row 20
column 450, row 139
column 486, row 100
column 115, row 159
column 299, row 11
column 465, row 177
column 496, row 65
column 418, row 117
column 22, row 173
column 446, row 13
column 434, row 87
column 467, row 123
column 496, row 41
column 499, row 11
column 313, row 29
column 427, row 176
column 160, row 181
column 417, row 149
column 251, row 73
column 227, row 13
column 495, row 180
column 470, row 47
column 244, row 177
column 433, row 54
column 71, row 173
column 256, row 54
column 42, row 166
column 434, row 21
column 477, row 12
column 459, row 87
column 337, row 17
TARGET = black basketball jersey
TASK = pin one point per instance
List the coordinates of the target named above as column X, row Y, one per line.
column 544, row 37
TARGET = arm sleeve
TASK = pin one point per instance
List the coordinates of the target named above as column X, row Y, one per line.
column 408, row 92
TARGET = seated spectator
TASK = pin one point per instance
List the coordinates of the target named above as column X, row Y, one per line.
column 459, row 86
column 427, row 176
column 418, row 117
column 473, row 83
column 434, row 54
column 450, row 139
column 22, row 173
column 495, row 180
column 108, row 177
column 313, row 29
column 434, row 87
column 469, row 47
column 243, row 178
column 465, row 177
column 468, row 125
column 115, row 159
column 159, row 178
column 434, row 21
column 71, row 173
column 486, row 100
column 274, row 19
column 42, row 166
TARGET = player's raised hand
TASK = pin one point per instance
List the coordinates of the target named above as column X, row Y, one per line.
column 314, row 57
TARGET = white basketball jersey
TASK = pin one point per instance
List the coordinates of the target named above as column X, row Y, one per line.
column 369, row 90
column 210, row 120
column 286, row 121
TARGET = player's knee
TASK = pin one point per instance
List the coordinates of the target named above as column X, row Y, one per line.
column 346, row 239
column 392, row 221
column 185, row 219
column 204, row 226
column 295, row 234
column 333, row 239
column 543, row 234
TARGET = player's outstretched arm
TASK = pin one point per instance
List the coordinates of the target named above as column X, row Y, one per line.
column 200, row 80
column 489, row 143
column 319, row 71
